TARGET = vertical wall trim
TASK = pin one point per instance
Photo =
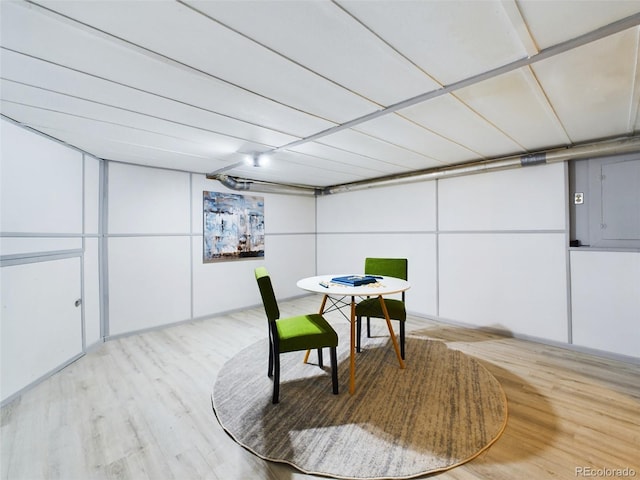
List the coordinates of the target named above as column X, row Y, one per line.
column 83, row 321
column 437, row 245
column 315, row 236
column 191, row 239
column 567, row 239
column 103, row 248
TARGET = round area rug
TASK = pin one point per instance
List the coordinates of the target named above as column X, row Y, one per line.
column 442, row 410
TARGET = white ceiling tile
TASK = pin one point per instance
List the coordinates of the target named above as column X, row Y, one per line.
column 563, row 20
column 406, row 134
column 323, row 37
column 134, row 153
column 71, row 126
column 199, row 42
column 343, row 160
column 451, row 119
column 591, row 87
column 294, row 168
column 72, row 86
column 515, row 103
column 449, row 40
column 216, row 144
column 366, row 145
column 520, row 26
column 59, row 43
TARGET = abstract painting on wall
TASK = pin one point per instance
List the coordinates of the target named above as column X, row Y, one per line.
column 233, row 226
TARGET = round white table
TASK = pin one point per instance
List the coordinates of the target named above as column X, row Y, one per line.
column 383, row 286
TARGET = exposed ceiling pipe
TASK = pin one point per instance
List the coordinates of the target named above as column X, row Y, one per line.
column 612, row 147
column 234, row 183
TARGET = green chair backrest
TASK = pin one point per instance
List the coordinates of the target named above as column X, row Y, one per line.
column 266, row 291
column 388, row 267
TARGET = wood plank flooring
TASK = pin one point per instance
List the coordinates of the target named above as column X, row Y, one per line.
column 139, row 408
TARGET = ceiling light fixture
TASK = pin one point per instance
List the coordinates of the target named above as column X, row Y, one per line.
column 257, row 160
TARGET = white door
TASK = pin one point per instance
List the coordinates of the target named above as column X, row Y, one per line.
column 40, row 320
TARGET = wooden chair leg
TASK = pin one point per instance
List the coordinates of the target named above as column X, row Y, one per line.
column 402, row 339
column 368, row 327
column 334, row 370
column 320, row 362
column 270, row 371
column 276, row 378
column 358, row 333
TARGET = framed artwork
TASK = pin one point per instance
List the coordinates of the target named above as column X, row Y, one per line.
column 233, row 226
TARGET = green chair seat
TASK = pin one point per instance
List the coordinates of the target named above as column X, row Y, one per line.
column 302, row 332
column 371, row 308
column 305, row 332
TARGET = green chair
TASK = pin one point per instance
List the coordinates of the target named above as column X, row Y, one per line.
column 303, row 332
column 370, row 307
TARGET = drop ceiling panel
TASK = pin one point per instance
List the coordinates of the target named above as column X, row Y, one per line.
column 569, row 19
column 343, row 160
column 216, row 144
column 406, row 134
column 515, row 103
column 450, row 118
column 199, row 42
column 42, row 36
column 449, row 40
column 300, row 170
column 591, row 87
column 70, row 86
column 369, row 146
column 329, row 41
column 134, row 153
column 72, row 127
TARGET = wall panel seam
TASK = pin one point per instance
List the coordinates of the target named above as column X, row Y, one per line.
column 38, row 257
column 388, row 232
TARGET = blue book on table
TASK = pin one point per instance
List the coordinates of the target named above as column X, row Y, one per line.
column 355, row 280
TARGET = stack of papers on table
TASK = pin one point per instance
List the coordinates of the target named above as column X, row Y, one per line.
column 355, row 280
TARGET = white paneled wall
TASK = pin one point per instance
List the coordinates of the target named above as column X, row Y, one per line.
column 605, row 288
column 41, row 184
column 149, row 282
column 383, row 222
column 408, row 208
column 49, row 256
column 514, row 282
column 487, row 250
column 156, row 273
column 503, row 251
column 148, row 252
column 289, row 253
column 146, row 200
column 345, row 253
column 526, row 199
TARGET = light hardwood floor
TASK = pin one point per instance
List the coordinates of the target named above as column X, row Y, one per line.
column 139, row 408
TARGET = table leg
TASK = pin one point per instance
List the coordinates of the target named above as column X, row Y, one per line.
column 352, row 354
column 322, row 305
column 394, row 340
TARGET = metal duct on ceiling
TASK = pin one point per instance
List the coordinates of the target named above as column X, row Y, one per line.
column 600, row 149
column 241, row 184
column 611, row 147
